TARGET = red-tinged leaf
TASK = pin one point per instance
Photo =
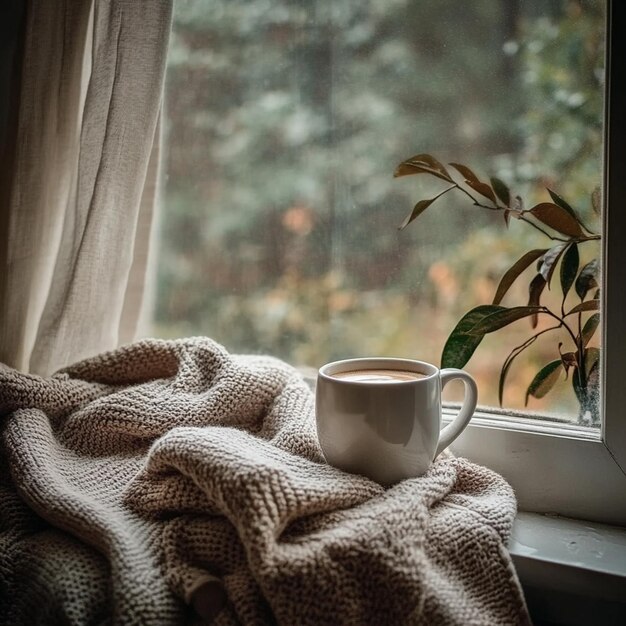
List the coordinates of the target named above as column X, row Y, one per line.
column 563, row 204
column 432, row 162
column 465, row 171
column 569, row 269
column 558, row 218
column 596, row 200
column 483, row 189
column 502, row 191
column 535, row 289
column 460, row 345
column 409, row 169
column 569, row 360
column 587, row 279
column 544, row 380
column 499, row 319
column 550, row 260
column 422, row 163
column 590, row 327
column 588, row 305
column 405, row 169
column 514, row 271
column 507, row 217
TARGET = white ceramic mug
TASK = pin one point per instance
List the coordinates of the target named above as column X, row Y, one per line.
column 391, row 430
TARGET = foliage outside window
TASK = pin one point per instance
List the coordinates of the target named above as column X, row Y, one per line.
column 284, row 121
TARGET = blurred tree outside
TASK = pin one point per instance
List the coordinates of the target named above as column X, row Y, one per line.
column 285, row 120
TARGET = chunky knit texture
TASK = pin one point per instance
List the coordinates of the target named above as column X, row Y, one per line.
column 170, row 482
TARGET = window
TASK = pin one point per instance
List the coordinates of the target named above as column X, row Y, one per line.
column 285, row 121
column 571, row 471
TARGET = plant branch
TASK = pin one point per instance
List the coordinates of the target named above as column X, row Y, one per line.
column 476, row 202
column 450, row 188
column 562, row 323
column 541, row 230
column 520, row 216
column 527, row 343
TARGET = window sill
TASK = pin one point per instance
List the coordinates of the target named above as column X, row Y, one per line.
column 553, row 468
column 573, row 572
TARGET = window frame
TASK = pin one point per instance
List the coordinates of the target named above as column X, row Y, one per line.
column 569, row 470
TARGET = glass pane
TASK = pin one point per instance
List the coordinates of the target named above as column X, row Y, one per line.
column 285, row 122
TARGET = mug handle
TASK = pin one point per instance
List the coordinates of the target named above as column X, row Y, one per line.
column 456, row 427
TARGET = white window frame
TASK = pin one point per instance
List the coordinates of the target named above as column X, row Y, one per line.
column 570, row 470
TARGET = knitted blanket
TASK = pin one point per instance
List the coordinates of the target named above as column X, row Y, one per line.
column 170, row 482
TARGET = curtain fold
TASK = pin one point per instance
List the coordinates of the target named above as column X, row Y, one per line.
column 79, row 207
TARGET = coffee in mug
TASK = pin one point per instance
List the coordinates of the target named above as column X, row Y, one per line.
column 378, row 375
column 381, row 417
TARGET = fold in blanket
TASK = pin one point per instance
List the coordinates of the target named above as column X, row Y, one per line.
column 170, row 482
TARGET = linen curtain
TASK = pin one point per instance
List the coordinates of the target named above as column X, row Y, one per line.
column 82, row 157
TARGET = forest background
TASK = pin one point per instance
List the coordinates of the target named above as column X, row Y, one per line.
column 284, row 122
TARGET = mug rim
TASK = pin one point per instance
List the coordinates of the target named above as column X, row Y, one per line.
column 378, row 362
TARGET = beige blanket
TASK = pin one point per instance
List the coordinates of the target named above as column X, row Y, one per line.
column 170, row 482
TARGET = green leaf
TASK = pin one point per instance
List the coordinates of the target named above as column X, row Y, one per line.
column 507, row 365
column 569, row 269
column 588, row 305
column 422, row 164
column 558, row 218
column 592, row 359
column 549, row 262
column 483, row 189
column 499, row 319
column 544, row 380
column 593, row 388
column 514, row 271
column 460, row 345
column 587, row 279
column 580, row 392
column 465, row 171
column 502, row 191
column 590, row 328
column 535, row 289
